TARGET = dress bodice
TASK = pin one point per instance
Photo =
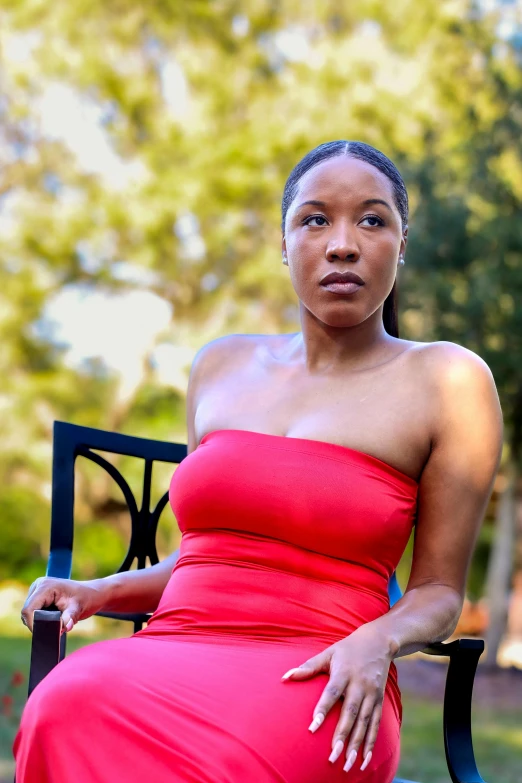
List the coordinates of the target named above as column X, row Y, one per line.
column 317, row 526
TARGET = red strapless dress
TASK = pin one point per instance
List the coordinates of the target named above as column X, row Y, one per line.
column 288, row 545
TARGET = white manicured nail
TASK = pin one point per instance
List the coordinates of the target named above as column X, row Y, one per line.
column 350, row 760
column 316, row 722
column 289, row 673
column 367, row 760
column 336, row 752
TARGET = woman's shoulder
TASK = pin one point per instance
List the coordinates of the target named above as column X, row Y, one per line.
column 222, row 354
column 450, row 359
column 450, row 371
column 229, row 344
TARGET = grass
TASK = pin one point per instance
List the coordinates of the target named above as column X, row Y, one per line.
column 497, row 733
column 497, row 740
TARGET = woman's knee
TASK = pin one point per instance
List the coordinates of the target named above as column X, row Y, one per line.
column 71, row 690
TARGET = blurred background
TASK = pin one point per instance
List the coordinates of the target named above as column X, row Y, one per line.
column 143, row 153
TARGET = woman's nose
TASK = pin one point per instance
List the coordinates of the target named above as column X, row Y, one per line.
column 342, row 246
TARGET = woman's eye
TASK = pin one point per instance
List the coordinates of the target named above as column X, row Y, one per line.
column 315, row 217
column 377, row 220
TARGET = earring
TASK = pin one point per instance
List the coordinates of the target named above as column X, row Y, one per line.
column 285, row 261
column 401, row 260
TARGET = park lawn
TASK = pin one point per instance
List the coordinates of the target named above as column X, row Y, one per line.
column 497, row 739
column 497, row 734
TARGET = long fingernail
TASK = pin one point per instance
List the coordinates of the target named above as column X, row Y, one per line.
column 336, row 752
column 289, row 673
column 350, row 760
column 69, row 625
column 367, row 760
column 316, row 722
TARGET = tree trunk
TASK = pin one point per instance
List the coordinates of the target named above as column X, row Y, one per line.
column 500, row 567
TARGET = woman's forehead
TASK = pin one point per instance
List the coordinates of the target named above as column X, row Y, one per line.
column 341, row 176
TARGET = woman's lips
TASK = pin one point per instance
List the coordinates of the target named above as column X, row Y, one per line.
column 342, row 288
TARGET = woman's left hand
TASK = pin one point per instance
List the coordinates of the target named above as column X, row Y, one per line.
column 358, row 667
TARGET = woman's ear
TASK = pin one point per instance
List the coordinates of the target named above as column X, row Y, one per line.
column 404, row 241
column 285, row 257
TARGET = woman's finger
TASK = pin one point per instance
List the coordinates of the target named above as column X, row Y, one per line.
column 71, row 615
column 359, row 730
column 371, row 734
column 331, row 694
column 33, row 587
column 311, row 667
column 353, row 699
column 35, row 601
column 31, row 590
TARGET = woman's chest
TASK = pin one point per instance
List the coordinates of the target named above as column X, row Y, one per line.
column 380, row 414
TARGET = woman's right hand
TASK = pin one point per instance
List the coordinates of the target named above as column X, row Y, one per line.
column 75, row 600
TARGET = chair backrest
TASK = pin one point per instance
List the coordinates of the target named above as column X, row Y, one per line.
column 73, row 440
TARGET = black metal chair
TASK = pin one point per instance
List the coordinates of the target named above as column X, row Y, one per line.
column 48, row 646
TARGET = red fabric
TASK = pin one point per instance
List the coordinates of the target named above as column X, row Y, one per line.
column 288, row 545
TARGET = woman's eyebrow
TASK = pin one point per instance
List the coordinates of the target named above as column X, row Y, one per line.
column 367, row 202
column 313, row 202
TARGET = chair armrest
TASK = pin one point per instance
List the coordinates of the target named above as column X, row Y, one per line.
column 46, row 646
column 464, row 655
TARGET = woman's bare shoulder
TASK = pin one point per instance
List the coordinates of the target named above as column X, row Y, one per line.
column 224, row 353
column 459, row 385
column 450, row 361
column 229, row 343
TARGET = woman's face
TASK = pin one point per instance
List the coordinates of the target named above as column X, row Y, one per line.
column 353, row 226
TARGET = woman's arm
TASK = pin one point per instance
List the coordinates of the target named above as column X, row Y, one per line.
column 130, row 591
column 454, row 490
column 135, row 591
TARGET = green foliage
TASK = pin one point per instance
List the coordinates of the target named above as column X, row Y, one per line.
column 258, row 85
column 156, row 413
column 25, row 521
column 99, row 550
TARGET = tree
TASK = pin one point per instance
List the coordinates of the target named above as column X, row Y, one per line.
column 199, row 110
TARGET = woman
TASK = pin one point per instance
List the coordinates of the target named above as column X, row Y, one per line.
column 311, row 456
